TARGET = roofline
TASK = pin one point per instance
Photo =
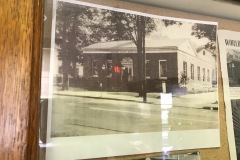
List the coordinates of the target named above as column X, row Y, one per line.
column 193, row 48
column 130, row 50
column 204, row 49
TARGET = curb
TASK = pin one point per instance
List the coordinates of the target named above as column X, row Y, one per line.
column 210, row 108
column 101, row 98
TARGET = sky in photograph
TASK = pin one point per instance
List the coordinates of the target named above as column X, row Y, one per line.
column 176, row 32
column 172, row 32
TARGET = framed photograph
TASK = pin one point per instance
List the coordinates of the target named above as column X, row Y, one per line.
column 229, row 45
column 123, row 82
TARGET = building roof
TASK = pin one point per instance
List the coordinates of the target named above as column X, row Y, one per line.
column 233, row 55
column 128, row 46
column 199, row 49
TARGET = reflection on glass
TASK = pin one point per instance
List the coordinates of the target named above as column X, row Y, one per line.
column 166, row 105
column 185, row 156
column 98, row 87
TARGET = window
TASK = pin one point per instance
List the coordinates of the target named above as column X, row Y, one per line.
column 162, row 68
column 185, row 68
column 208, row 75
column 192, row 71
column 204, row 74
column 204, row 53
column 95, row 68
column 198, row 73
column 109, row 68
column 148, row 69
column 230, row 67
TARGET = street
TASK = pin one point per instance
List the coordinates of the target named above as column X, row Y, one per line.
column 85, row 116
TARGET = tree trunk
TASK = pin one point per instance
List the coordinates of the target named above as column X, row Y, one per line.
column 141, row 57
column 65, row 78
column 143, row 61
column 74, row 74
column 65, row 62
column 139, row 51
column 74, row 51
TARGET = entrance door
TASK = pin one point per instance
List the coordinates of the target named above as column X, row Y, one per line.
column 127, row 70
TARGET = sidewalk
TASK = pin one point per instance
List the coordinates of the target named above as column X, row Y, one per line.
column 198, row 101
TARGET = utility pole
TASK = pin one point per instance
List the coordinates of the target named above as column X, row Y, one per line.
column 144, row 93
column 141, row 27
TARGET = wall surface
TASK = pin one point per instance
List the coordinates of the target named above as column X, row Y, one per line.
column 228, row 9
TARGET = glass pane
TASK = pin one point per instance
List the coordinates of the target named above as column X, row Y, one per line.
column 96, row 101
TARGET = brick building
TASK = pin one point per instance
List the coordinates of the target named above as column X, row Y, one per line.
column 116, row 65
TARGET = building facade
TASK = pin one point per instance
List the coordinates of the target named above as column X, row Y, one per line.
column 117, row 66
column 233, row 67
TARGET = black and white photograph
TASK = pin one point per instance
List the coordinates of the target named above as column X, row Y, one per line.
column 113, row 66
column 233, row 67
column 118, row 73
column 236, row 124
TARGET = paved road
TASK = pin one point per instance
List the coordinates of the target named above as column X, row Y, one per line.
column 78, row 116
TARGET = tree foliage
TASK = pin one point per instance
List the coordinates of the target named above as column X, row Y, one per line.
column 168, row 22
column 206, row 31
column 77, row 26
column 126, row 26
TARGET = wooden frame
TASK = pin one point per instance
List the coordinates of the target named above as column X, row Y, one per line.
column 20, row 78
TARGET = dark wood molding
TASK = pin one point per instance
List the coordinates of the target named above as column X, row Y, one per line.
column 35, row 87
column 20, row 64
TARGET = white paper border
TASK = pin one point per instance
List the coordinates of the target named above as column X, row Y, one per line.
column 129, row 144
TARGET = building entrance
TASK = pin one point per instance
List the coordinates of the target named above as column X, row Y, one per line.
column 127, row 70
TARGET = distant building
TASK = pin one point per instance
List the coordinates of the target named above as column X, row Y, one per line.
column 233, row 66
column 116, row 65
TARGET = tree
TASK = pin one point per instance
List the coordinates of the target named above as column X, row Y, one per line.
column 134, row 27
column 76, row 27
column 125, row 26
column 168, row 22
column 206, row 31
